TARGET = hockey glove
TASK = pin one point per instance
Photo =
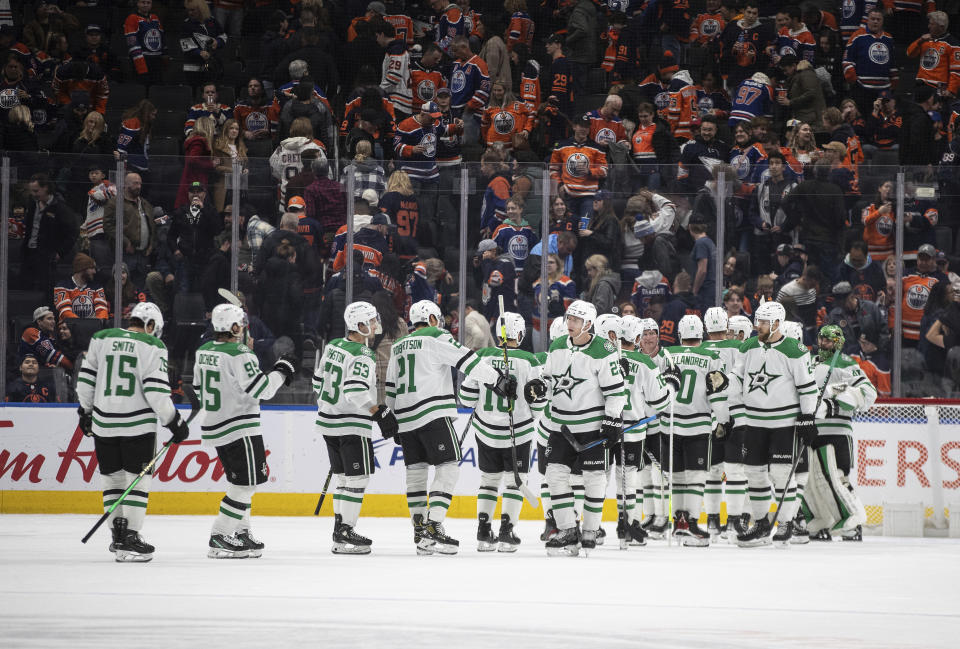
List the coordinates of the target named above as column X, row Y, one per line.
column 86, row 422
column 178, row 429
column 834, row 389
column 505, row 387
column 806, row 429
column 624, row 367
column 610, row 429
column 534, row 390
column 721, row 431
column 717, row 381
column 287, row 365
column 671, row 376
column 828, row 408
column 387, row 421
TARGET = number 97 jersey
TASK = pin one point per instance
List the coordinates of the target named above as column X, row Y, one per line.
column 345, row 384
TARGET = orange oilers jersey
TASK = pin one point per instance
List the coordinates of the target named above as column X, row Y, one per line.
column 71, row 301
column 683, row 109
column 877, row 369
column 403, row 25
column 520, row 30
column 257, row 118
column 530, row 85
column 606, row 131
column 706, row 26
column 578, row 166
column 939, row 62
column 352, row 29
column 641, row 144
column 612, row 37
column 916, row 292
column 499, row 123
column 424, row 84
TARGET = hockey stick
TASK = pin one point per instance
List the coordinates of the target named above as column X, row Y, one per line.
column 580, row 448
column 803, row 447
column 323, row 493
column 195, row 410
column 522, row 486
column 623, row 466
column 673, row 400
column 229, row 297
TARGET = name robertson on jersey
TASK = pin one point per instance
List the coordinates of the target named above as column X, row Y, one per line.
column 337, row 356
column 406, row 345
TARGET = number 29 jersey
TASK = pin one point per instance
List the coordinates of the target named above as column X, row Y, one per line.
column 345, row 384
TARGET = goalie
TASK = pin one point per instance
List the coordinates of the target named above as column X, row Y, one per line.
column 829, row 501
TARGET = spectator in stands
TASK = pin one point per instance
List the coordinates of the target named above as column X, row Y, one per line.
column 228, row 148
column 273, row 42
column 496, row 174
column 494, row 51
column 601, row 234
column 603, row 284
column 198, row 162
column 941, row 331
column 139, row 230
column 326, row 201
column 49, row 18
column 257, row 117
column 320, row 64
column 129, row 295
column 29, row 387
column 578, row 165
column 95, row 196
column 803, row 143
column 82, row 76
column 561, row 291
column 280, row 293
column 68, row 127
column 26, row 90
column 855, row 315
column 733, row 302
column 209, row 106
column 495, row 272
column 94, row 50
column 581, row 43
column 476, row 328
column 804, row 97
column 286, row 160
column 134, row 137
column 190, row 239
column 862, row 273
column 704, row 258
column 39, row 339
column 48, row 60
column 80, row 295
column 229, row 13
column 651, row 146
column 693, row 170
column 287, row 233
column 936, row 50
column 91, row 145
column 400, row 203
column 20, row 133
column 799, row 297
column 817, row 207
column 745, row 45
column 50, row 232
column 917, row 135
column 869, row 63
column 257, row 231
column 145, row 43
column 305, row 104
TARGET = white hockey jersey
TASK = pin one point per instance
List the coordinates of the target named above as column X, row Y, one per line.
column 345, row 385
column 123, row 379
column 230, row 385
column 286, row 162
column 695, row 412
column 647, row 394
column 395, row 77
column 858, row 395
column 729, row 351
column 419, row 383
column 584, row 385
column 491, row 419
column 776, row 384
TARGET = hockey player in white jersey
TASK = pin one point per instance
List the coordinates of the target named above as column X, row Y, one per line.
column 647, row 395
column 557, row 328
column 779, row 396
column 829, row 499
column 419, row 390
column 727, row 445
column 345, row 384
column 491, row 427
column 587, row 396
column 124, row 394
column 800, row 535
column 739, row 328
column 700, row 402
column 228, row 380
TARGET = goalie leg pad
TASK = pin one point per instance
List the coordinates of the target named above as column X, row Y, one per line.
column 834, row 505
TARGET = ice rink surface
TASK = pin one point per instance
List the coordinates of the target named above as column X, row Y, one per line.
column 56, row 592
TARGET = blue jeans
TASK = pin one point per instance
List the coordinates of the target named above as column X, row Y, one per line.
column 580, row 206
column 826, row 256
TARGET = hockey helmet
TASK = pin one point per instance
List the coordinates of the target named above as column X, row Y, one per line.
column 225, row 315
column 834, row 334
column 421, row 311
column 513, row 323
column 715, row 320
column 649, row 324
column 583, row 310
column 792, row 329
column 558, row 328
column 148, row 312
column 771, row 312
column 607, row 323
column 690, row 327
column 359, row 314
column 631, row 328
column 740, row 324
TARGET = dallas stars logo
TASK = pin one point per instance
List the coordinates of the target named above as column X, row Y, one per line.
column 760, row 380
column 566, row 382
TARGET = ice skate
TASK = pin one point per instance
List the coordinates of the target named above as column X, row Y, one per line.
column 800, row 534
column 601, row 535
column 681, row 523
column 227, row 546
column 549, row 527
column 132, row 548
column 696, row 536
column 564, row 543
column 439, row 542
column 621, row 531
column 346, row 541
column 486, row 541
column 119, row 527
column 736, row 526
column 784, row 534
column 658, row 528
column 508, row 541
column 822, row 535
column 635, row 534
column 713, row 525
column 856, row 534
column 254, row 545
column 588, row 541
column 424, row 545
column 757, row 536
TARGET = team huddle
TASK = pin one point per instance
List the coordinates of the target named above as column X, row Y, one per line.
column 725, row 416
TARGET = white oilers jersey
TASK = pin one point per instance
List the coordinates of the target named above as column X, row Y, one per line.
column 647, row 394
column 857, row 395
column 584, row 385
column 230, row 385
column 776, row 384
column 419, row 383
column 123, row 380
column 345, row 385
column 729, row 351
column 491, row 418
column 694, row 412
column 286, row 161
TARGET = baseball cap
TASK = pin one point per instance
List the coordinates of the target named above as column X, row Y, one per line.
column 430, row 109
column 41, row 311
column 380, row 219
column 927, row 249
column 842, row 288
column 941, row 257
column 788, row 59
column 784, row 249
column 799, row 247
column 370, row 195
column 555, row 38
column 486, row 244
column 296, row 203
column 444, row 91
column 93, row 29
column 582, row 120
column 643, row 228
column 793, row 123
column 197, row 186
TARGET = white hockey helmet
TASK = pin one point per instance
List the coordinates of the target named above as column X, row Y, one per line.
column 359, row 314
column 771, row 312
column 715, row 320
column 740, row 324
column 149, row 312
column 649, row 324
column 225, row 315
column 631, row 329
column 690, row 327
column 514, row 324
column 792, row 329
column 607, row 323
column 760, row 77
column 421, row 311
column 583, row 310
column 558, row 328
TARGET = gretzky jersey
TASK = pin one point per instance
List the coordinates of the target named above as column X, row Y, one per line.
column 777, row 383
column 345, row 385
column 858, row 395
column 123, row 380
column 752, row 99
column 647, row 393
column 491, row 419
column 694, row 411
column 419, row 385
column 584, row 385
column 230, row 385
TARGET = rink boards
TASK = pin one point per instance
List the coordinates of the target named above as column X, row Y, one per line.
column 47, row 466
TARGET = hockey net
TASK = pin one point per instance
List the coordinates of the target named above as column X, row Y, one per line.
column 907, row 452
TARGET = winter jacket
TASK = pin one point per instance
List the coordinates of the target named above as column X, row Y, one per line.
column 817, row 207
column 917, row 146
column 197, row 165
column 280, row 297
column 192, row 234
column 495, row 55
column 581, row 42
column 604, row 294
column 805, row 94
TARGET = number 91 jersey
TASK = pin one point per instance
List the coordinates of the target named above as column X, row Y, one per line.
column 345, row 384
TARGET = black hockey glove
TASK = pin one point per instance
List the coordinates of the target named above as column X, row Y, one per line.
column 671, row 376
column 624, row 367
column 86, row 422
column 721, row 431
column 806, row 429
column 178, row 429
column 611, row 429
column 717, row 381
column 534, row 390
column 387, row 421
column 505, row 387
column 287, row 365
